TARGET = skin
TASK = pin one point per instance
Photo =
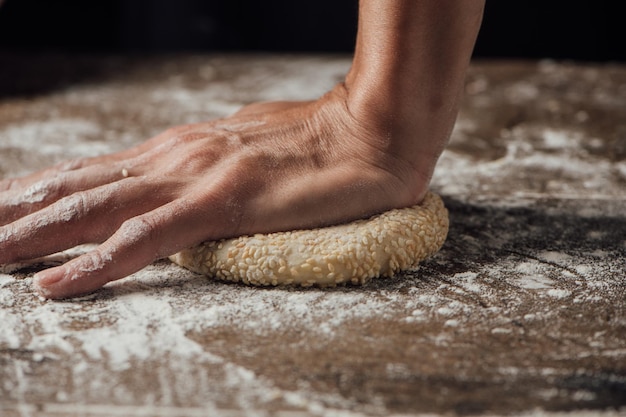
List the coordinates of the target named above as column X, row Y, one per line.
column 369, row 145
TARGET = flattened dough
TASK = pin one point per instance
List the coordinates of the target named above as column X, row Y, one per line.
column 354, row 252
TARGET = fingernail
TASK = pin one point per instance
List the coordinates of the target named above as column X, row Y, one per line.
column 43, row 280
column 47, row 278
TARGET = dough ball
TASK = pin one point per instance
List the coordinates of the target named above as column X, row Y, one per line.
column 354, row 252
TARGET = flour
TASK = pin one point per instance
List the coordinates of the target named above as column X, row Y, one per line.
column 6, row 233
column 555, row 257
column 157, row 343
column 6, row 279
column 10, row 336
column 556, row 153
column 140, row 325
column 134, row 230
column 558, row 293
column 36, row 193
column 152, row 320
column 58, row 137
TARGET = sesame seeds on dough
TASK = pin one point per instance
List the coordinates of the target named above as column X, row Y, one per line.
column 355, row 252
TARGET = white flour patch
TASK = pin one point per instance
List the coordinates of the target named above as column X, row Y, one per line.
column 522, row 92
column 530, row 267
column 468, row 281
column 557, row 154
column 10, row 336
column 152, row 320
column 555, row 257
column 599, row 253
column 534, row 282
column 6, row 280
column 157, row 338
column 66, row 137
column 621, row 169
column 558, row 293
column 139, row 324
column 500, row 330
column 560, row 140
column 36, row 193
column 5, row 234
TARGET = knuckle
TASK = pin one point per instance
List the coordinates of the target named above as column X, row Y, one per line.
column 94, row 261
column 140, row 229
column 46, row 190
column 9, row 234
column 59, row 187
column 72, row 207
column 8, row 184
column 71, row 165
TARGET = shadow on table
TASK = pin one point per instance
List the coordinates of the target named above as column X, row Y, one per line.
column 486, row 233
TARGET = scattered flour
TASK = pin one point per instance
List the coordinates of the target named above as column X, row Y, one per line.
column 149, row 319
column 555, row 257
column 535, row 282
column 500, row 330
column 6, row 279
column 559, row 293
column 10, row 336
column 65, row 138
column 139, row 324
column 469, row 282
column 36, row 193
column 558, row 156
column 561, row 140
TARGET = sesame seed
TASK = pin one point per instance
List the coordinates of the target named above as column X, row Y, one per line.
column 389, row 242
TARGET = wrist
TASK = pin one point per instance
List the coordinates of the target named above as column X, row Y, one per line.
column 408, row 69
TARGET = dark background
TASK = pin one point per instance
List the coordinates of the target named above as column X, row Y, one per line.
column 577, row 30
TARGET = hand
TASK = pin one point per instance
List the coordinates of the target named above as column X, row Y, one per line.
column 270, row 167
column 369, row 145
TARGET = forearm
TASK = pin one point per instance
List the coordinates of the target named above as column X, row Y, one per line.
column 410, row 61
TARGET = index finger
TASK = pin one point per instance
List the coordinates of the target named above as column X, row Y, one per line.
column 138, row 242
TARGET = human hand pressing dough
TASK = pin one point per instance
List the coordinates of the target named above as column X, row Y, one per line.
column 270, row 167
column 354, row 252
column 368, row 146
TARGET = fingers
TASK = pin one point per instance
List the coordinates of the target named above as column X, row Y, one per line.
column 19, row 202
column 62, row 168
column 149, row 147
column 137, row 243
column 81, row 163
column 84, row 217
column 22, row 196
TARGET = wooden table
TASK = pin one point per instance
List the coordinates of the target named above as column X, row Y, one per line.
column 524, row 308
